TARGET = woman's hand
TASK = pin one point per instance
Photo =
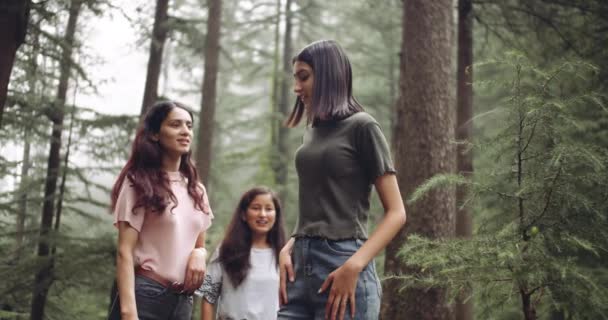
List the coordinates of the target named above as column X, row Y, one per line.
column 343, row 283
column 195, row 270
column 285, row 270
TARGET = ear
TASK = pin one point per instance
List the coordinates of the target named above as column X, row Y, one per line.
column 154, row 137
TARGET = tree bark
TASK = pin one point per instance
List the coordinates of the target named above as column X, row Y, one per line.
column 422, row 146
column 157, row 44
column 282, row 148
column 464, row 129
column 44, row 274
column 277, row 118
column 208, row 101
column 14, row 15
column 26, row 162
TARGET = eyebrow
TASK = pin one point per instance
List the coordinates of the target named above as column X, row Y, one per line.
column 299, row 73
column 180, row 120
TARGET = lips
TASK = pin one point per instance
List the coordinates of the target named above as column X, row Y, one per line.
column 183, row 141
column 261, row 222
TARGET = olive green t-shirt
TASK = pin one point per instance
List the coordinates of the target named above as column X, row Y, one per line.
column 337, row 164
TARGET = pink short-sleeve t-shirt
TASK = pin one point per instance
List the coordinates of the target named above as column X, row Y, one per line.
column 165, row 240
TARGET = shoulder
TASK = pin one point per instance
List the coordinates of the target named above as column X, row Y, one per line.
column 362, row 119
column 126, row 188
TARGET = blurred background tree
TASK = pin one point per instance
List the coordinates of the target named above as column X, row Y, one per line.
column 61, row 148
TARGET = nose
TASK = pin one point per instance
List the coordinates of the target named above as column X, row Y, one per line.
column 263, row 212
column 297, row 88
column 185, row 130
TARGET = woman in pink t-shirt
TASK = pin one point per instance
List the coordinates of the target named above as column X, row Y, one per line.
column 161, row 211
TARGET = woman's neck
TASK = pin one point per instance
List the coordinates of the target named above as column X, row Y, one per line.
column 260, row 242
column 171, row 163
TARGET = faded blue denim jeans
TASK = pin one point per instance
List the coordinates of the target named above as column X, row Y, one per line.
column 156, row 302
column 314, row 259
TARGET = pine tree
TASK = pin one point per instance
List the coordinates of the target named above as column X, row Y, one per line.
column 543, row 228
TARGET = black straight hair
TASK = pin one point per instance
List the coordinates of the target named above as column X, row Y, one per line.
column 332, row 97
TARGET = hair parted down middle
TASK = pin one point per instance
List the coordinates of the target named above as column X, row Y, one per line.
column 235, row 249
column 143, row 169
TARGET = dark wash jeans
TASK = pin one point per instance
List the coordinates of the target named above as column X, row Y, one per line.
column 155, row 302
column 314, row 259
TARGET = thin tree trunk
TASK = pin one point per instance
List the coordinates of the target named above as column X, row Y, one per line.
column 44, row 274
column 157, row 44
column 463, row 309
column 283, row 137
column 422, row 144
column 63, row 180
column 23, row 186
column 207, row 114
column 528, row 308
column 25, row 165
column 14, row 16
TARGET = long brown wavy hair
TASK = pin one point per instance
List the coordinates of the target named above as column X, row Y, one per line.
column 236, row 247
column 144, row 167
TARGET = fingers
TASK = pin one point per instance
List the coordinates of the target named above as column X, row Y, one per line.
column 335, row 308
column 285, row 272
column 188, row 280
column 326, row 283
column 289, row 268
column 328, row 306
column 193, row 280
column 283, row 286
column 342, row 307
column 352, row 306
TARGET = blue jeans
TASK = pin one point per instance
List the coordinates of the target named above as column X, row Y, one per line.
column 314, row 259
column 156, row 302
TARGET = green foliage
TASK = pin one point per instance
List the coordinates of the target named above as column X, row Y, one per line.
column 542, row 229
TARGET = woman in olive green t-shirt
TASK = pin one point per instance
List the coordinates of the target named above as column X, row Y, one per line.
column 327, row 268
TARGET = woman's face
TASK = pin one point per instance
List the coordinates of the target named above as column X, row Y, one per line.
column 175, row 133
column 261, row 214
column 303, row 82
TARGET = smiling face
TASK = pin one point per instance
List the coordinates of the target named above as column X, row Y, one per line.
column 261, row 215
column 303, row 82
column 175, row 134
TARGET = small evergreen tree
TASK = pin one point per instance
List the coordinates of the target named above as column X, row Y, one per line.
column 542, row 237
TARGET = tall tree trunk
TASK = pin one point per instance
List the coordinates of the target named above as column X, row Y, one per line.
column 207, row 115
column 23, row 187
column 63, row 180
column 26, row 163
column 44, row 274
column 424, row 130
column 277, row 118
column 280, row 167
column 157, row 44
column 463, row 309
column 14, row 15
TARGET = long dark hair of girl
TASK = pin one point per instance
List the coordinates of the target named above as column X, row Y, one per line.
column 236, row 246
column 143, row 169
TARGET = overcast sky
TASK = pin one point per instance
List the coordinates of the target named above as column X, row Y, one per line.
column 121, row 75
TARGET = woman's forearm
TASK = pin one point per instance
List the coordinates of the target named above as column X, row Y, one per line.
column 392, row 222
column 125, row 274
column 390, row 225
column 207, row 310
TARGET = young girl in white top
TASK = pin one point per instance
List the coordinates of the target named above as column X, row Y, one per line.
column 242, row 280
